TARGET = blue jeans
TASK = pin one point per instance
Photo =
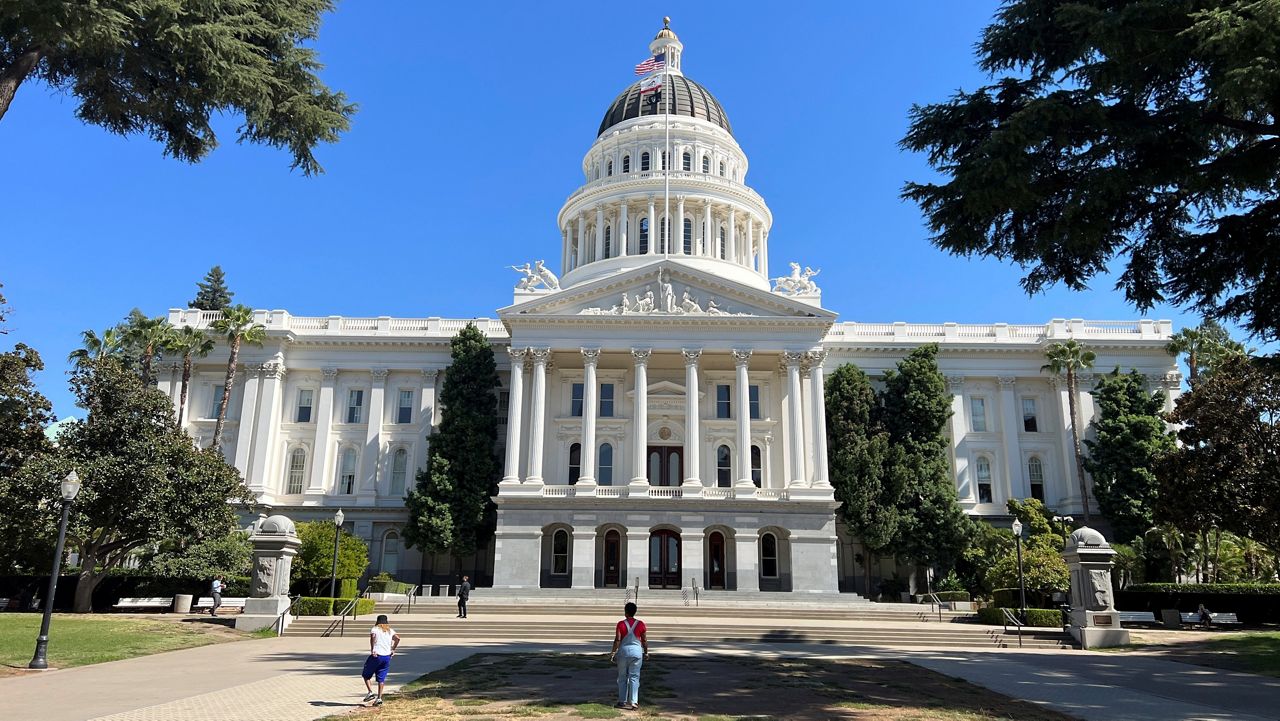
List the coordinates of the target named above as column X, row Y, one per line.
column 629, row 659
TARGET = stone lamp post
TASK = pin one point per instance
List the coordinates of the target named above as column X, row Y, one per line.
column 1093, row 621
column 275, row 543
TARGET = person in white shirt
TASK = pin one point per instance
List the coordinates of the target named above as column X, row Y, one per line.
column 383, row 641
column 215, row 590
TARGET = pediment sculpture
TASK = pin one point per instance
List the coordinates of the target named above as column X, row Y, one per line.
column 664, row 302
column 536, row 277
column 798, row 282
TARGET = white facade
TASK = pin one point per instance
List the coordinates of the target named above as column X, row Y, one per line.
column 664, row 415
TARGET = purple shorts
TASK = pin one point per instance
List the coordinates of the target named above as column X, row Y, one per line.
column 376, row 665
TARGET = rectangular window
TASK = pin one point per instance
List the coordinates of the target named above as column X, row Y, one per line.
column 304, row 405
column 978, row 415
column 575, row 400
column 606, row 400
column 404, row 410
column 218, row 392
column 754, row 398
column 724, row 408
column 1029, row 415
column 504, row 405
column 355, row 406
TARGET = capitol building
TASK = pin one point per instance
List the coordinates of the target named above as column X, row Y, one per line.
column 662, row 401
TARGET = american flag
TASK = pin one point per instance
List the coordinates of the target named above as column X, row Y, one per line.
column 657, row 62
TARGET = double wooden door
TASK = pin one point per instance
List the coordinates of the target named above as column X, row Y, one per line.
column 666, row 465
column 664, row 559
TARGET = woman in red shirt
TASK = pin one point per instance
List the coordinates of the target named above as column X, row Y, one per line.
column 630, row 648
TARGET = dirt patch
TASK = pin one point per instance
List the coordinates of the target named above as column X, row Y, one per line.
column 564, row 687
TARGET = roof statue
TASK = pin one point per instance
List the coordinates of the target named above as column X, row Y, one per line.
column 537, row 277
column 798, row 282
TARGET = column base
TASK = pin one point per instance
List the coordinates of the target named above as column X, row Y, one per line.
column 586, row 483
column 744, row 483
column 639, row 481
column 508, row 482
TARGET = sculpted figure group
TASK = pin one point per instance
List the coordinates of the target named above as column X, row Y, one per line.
column 538, row 277
column 798, row 282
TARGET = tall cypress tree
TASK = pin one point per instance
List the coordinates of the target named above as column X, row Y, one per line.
column 213, row 293
column 462, row 470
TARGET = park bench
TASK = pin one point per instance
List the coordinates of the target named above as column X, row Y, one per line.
column 206, row 602
column 1219, row 619
column 1147, row 617
column 162, row 603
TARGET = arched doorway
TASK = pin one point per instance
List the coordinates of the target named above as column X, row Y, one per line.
column 715, row 560
column 612, row 559
column 664, row 559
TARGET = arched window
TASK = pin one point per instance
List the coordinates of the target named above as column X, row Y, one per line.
column 391, row 553
column 605, row 475
column 686, row 161
column 721, row 168
column 724, row 469
column 724, row 244
column 347, row 472
column 399, row 471
column 560, row 552
column 608, row 241
column 983, row 471
column 688, row 236
column 644, row 236
column 297, row 470
column 769, row 555
column 757, row 466
column 626, row 163
column 644, row 161
column 662, row 235
column 1035, row 477
column 608, row 168
column 575, row 462
column 706, row 164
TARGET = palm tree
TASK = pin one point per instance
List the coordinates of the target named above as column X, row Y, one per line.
column 1207, row 346
column 1065, row 359
column 189, row 342
column 94, row 347
column 149, row 336
column 237, row 326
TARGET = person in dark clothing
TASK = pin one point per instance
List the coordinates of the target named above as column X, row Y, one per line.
column 464, row 592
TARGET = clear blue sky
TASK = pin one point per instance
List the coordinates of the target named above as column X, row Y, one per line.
column 472, row 126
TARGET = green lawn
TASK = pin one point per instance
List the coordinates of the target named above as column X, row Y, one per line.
column 1251, row 652
column 77, row 640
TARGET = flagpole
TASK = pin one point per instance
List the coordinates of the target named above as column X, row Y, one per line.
column 667, row 159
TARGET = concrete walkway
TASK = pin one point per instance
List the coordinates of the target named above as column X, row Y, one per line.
column 301, row 679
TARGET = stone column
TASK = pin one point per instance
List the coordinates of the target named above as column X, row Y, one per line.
column 1070, row 487
column 693, row 419
column 653, row 230
column 1010, row 421
column 1094, row 621
column 599, row 232
column 746, row 548
column 582, row 240
column 624, row 229
column 750, row 245
column 742, row 392
column 964, row 488
column 275, row 543
column 637, row 558
column 590, row 405
column 248, row 409
column 537, row 413
column 324, row 424
column 764, row 252
column 766, row 470
column 708, row 232
column 691, row 558
column 733, row 235
column 679, row 226
column 583, row 557
column 818, row 414
column 373, row 431
column 640, row 424
column 795, row 419
column 267, row 426
column 426, row 409
column 515, row 414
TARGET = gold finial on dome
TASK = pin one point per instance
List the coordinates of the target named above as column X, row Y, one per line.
column 666, row 31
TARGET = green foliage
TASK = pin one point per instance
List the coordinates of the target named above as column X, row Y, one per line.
column 991, row 616
column 952, row 595
column 212, row 293
column 315, row 556
column 237, row 327
column 348, row 587
column 188, row 343
column 24, row 413
column 1044, row 618
column 1206, row 347
column 1252, row 589
column 1138, row 132
column 1066, row 360
column 1043, row 570
column 951, row 583
column 1226, row 472
column 327, row 606
column 1131, row 435
column 166, row 67
column 450, row 507
column 988, row 545
column 229, row 555
column 146, row 338
column 385, row 583
column 858, row 448
column 143, row 481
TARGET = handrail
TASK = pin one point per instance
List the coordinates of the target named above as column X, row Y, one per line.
column 341, row 623
column 1010, row 619
column 409, row 599
column 279, row 624
column 935, row 601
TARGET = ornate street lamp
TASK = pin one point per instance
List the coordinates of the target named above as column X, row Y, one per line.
column 1022, row 586
column 337, row 532
column 1066, row 521
column 70, row 488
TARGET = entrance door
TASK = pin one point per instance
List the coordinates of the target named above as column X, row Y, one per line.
column 666, row 465
column 664, row 559
column 612, row 560
column 715, row 550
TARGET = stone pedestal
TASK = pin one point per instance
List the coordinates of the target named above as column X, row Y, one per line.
column 275, row 543
column 1093, row 619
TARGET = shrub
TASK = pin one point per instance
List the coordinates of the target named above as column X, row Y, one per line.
column 1252, row 603
column 951, row 582
column 1009, row 598
column 991, row 616
column 313, row 606
column 953, row 595
column 348, row 587
column 1036, row 617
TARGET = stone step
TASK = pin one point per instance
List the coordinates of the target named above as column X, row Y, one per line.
column 907, row 612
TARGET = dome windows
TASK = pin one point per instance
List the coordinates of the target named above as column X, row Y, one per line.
column 686, row 163
column 644, row 162
column 608, row 169
column 626, row 163
column 688, row 236
column 706, row 164
column 644, row 236
column 721, row 168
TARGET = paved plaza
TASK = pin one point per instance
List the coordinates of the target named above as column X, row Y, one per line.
column 297, row 679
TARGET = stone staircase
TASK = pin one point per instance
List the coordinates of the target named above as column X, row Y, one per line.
column 585, row 619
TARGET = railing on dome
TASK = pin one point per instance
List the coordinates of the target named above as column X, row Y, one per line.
column 709, row 178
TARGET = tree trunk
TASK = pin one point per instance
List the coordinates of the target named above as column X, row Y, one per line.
column 186, row 379
column 1192, row 371
column 226, row 393
column 147, row 355
column 89, row 580
column 1075, row 441
column 12, row 76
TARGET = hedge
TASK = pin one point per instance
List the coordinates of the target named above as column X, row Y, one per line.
column 1036, row 617
column 1009, row 598
column 385, row 586
column 1253, row 603
column 119, row 583
column 325, row 606
column 953, row 595
column 348, row 587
